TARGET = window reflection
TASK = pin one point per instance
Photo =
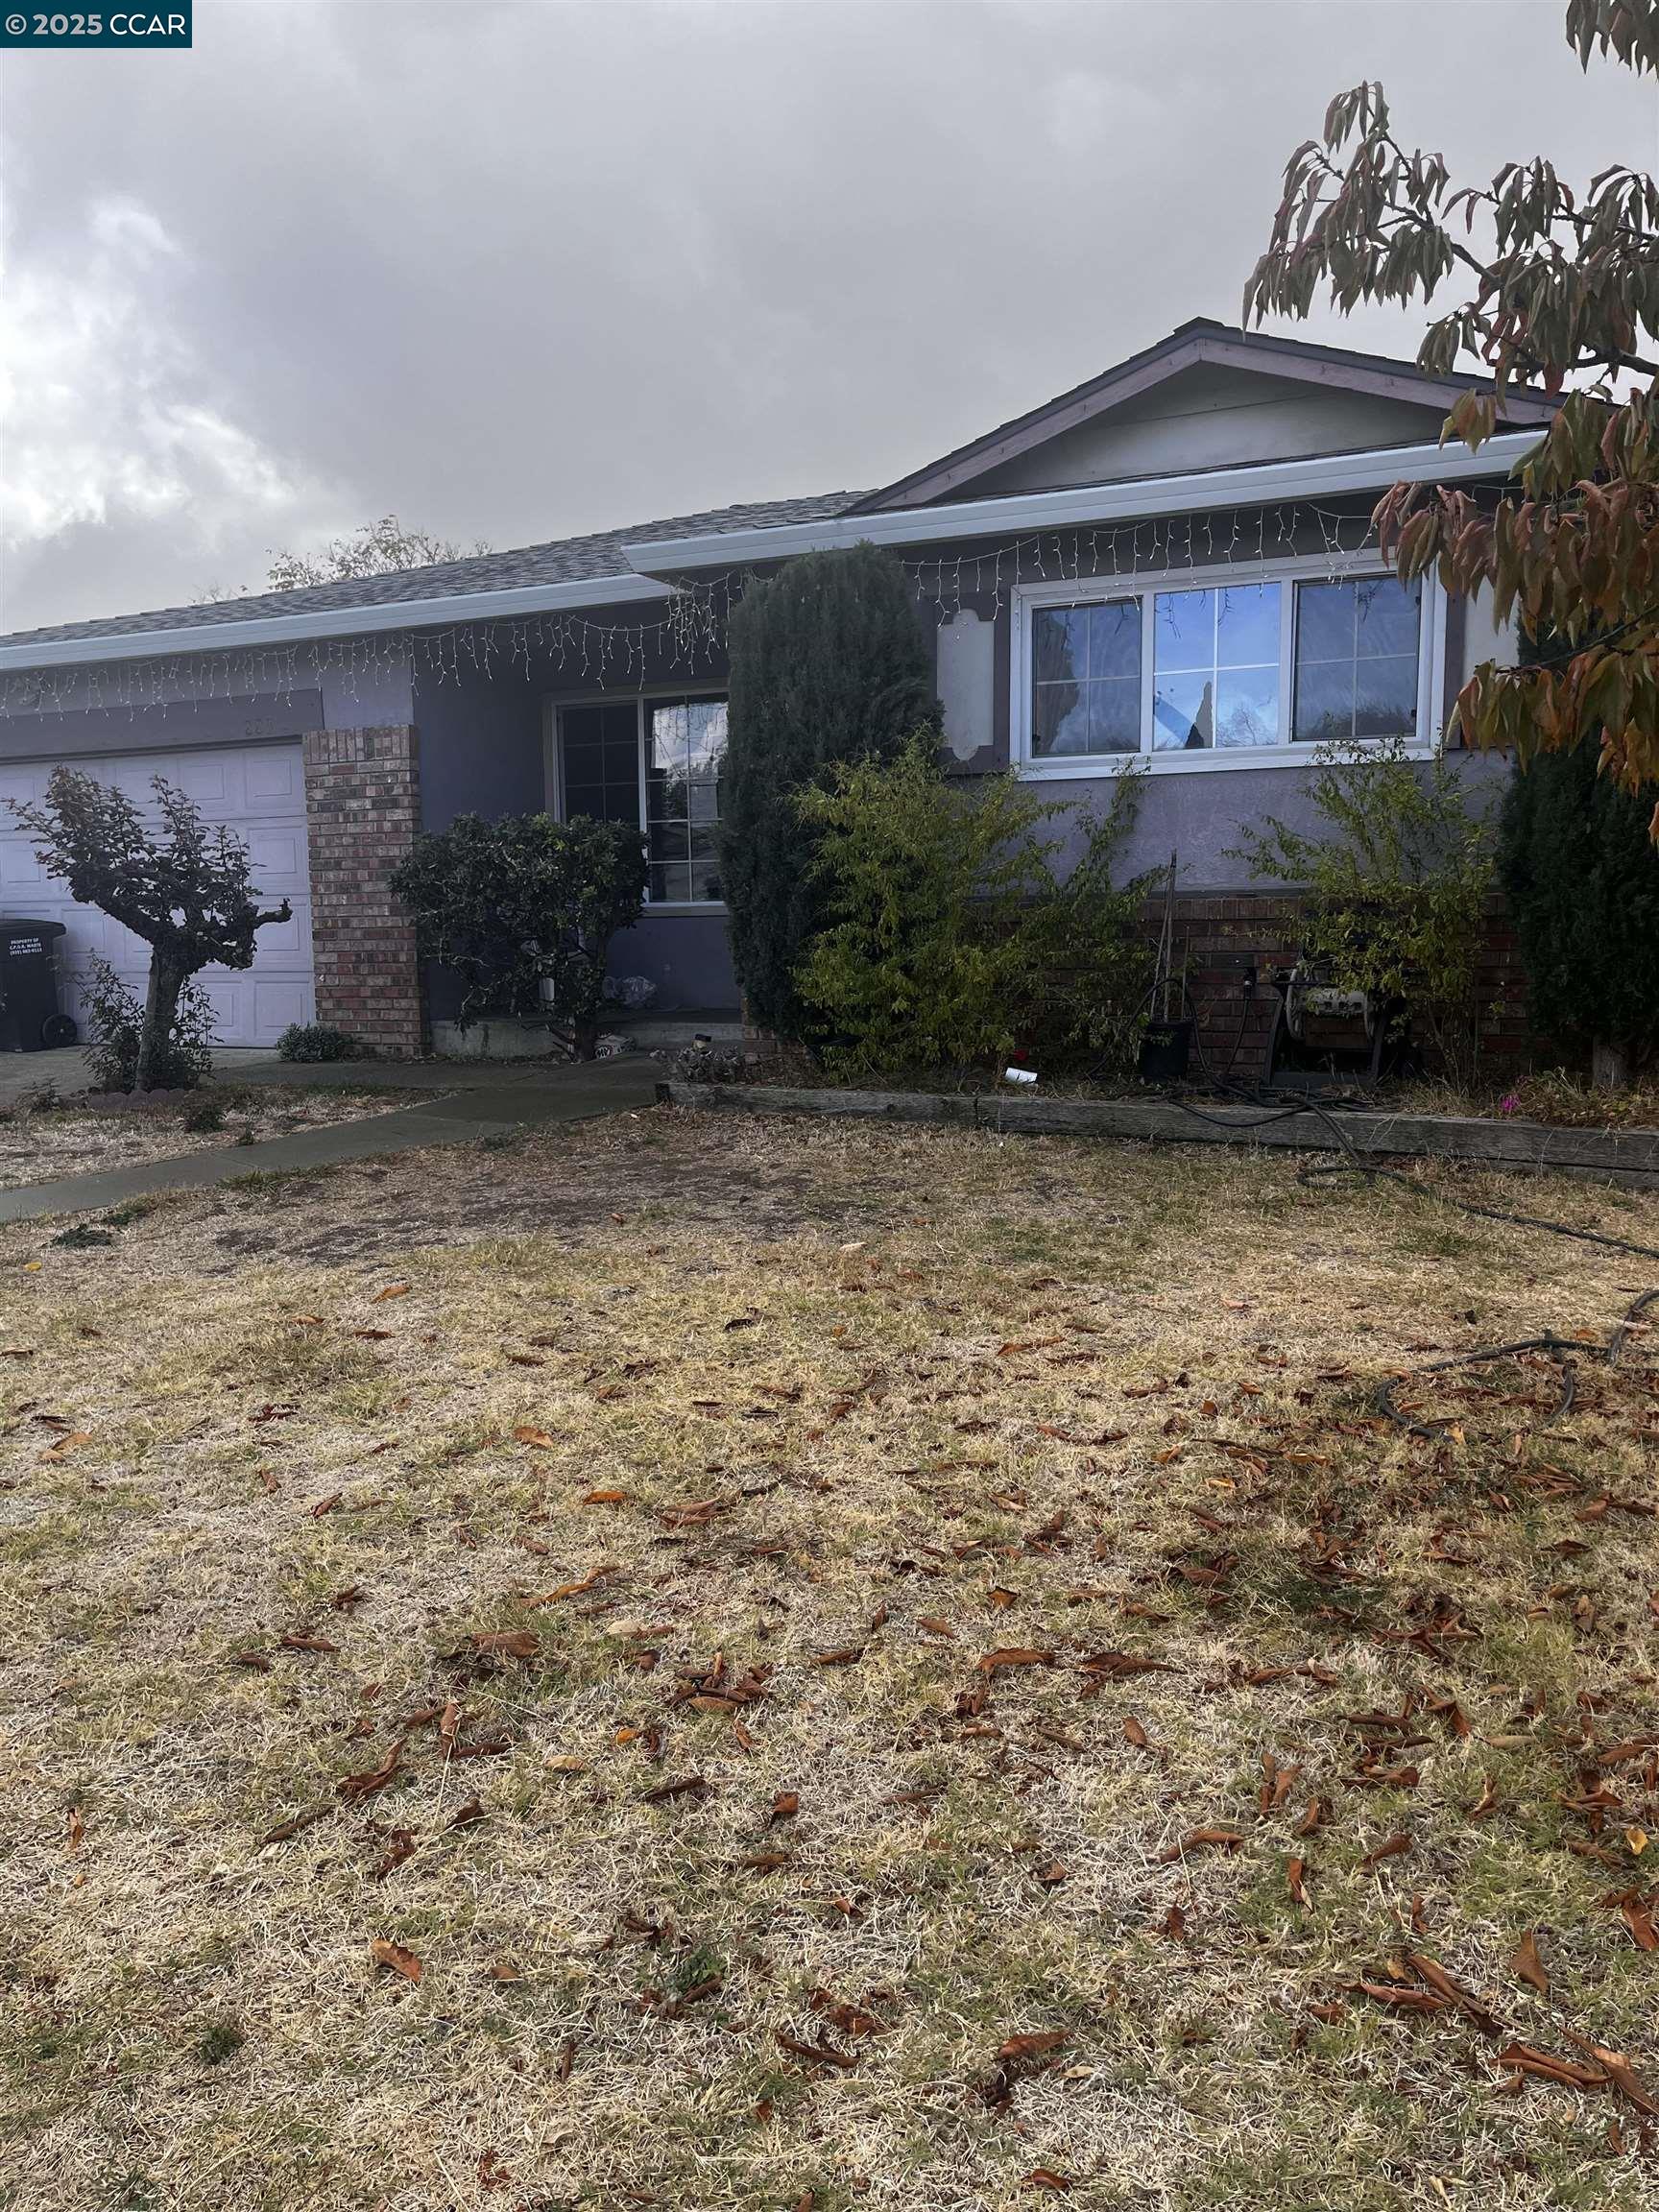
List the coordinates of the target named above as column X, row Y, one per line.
column 1215, row 666
column 1086, row 679
column 1356, row 663
column 684, row 743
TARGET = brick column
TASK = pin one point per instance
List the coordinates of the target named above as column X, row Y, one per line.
column 362, row 813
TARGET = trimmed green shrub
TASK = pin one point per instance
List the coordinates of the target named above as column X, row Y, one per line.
column 951, row 936
column 1582, row 877
column 1397, row 888
column 512, row 905
column 308, row 1042
column 829, row 664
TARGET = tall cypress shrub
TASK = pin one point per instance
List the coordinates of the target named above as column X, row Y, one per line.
column 1582, row 876
column 829, row 664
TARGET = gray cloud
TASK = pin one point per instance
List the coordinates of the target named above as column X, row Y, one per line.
column 520, row 270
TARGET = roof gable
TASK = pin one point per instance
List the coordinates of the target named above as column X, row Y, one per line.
column 1329, row 385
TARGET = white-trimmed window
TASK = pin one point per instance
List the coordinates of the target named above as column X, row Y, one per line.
column 653, row 761
column 1246, row 668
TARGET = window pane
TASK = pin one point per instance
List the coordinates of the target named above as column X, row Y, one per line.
column 1182, row 713
column 1115, row 640
column 706, row 729
column 600, row 751
column 705, row 868
column 1325, row 622
column 682, row 800
column 1386, row 697
column 1247, row 707
column 1059, row 720
column 1387, row 611
column 1323, row 701
column 1060, row 644
column 1185, row 633
column 1357, row 660
column 1115, row 718
column 1247, row 630
column 670, row 881
column 1086, row 679
column 669, row 729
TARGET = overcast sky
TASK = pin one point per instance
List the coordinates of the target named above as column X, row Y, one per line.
column 520, row 270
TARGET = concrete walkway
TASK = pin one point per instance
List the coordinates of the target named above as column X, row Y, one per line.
column 481, row 1102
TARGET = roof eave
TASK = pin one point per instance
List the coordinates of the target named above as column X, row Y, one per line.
column 524, row 600
column 1141, row 498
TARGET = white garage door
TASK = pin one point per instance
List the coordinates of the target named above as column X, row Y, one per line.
column 259, row 791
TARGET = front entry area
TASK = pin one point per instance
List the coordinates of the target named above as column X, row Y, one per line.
column 258, row 792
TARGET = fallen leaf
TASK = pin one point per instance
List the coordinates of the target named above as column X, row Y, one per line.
column 1395, row 1847
column 538, row 1437
column 1202, row 1839
column 352, row 1786
column 822, row 2053
column 397, row 1958
column 1525, row 2059
column 392, row 1290
column 1015, row 1656
column 1033, row 2045
column 1527, row 1964
column 686, row 1786
column 509, row 1642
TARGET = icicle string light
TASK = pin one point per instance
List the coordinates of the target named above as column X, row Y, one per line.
column 689, row 636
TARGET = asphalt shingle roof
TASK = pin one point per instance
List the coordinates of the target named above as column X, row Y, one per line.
column 562, row 560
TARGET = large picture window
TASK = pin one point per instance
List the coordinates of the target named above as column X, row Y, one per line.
column 1244, row 666
column 654, row 762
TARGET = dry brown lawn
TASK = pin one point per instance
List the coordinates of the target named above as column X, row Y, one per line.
column 42, row 1144
column 766, row 1665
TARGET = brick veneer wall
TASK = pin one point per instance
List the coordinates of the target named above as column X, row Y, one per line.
column 362, row 815
column 1224, row 935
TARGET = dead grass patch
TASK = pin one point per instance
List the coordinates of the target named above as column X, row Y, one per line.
column 838, row 1667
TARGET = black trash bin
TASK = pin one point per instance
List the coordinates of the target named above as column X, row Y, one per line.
column 29, row 1021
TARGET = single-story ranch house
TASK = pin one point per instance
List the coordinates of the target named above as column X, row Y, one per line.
column 1171, row 564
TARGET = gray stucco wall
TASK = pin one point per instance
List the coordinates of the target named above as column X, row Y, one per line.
column 1201, row 817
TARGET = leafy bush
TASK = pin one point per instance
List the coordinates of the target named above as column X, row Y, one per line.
column 116, row 1034
column 182, row 885
column 948, row 923
column 1397, row 892
column 512, row 905
column 829, row 664
column 1582, row 880
column 313, row 1041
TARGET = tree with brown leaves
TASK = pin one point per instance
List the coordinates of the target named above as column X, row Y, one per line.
column 1560, row 291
